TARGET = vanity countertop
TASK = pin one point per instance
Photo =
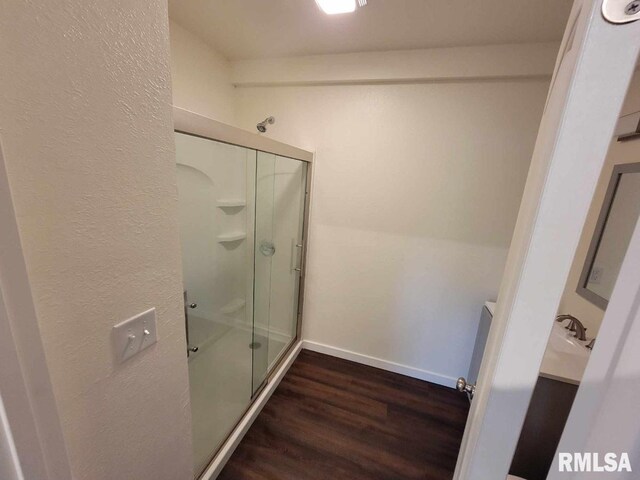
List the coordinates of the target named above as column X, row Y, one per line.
column 565, row 358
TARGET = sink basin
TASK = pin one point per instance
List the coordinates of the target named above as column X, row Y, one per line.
column 566, row 357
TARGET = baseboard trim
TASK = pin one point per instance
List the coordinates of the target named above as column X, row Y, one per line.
column 380, row 363
column 221, row 459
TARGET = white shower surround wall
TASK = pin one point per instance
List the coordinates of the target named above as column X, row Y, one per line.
column 214, row 274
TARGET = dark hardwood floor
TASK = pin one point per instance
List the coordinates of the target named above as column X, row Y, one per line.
column 334, row 419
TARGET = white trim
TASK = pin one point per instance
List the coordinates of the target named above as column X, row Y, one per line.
column 25, row 384
column 387, row 365
column 221, row 459
column 452, row 64
column 191, row 123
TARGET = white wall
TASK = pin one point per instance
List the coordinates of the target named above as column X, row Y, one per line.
column 619, row 153
column 201, row 77
column 85, row 121
column 417, row 188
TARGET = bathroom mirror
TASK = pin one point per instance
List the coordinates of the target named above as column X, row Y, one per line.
column 616, row 222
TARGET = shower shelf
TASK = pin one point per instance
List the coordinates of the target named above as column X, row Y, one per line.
column 231, row 237
column 231, row 203
column 233, row 306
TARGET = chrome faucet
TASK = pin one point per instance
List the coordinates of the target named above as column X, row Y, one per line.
column 574, row 326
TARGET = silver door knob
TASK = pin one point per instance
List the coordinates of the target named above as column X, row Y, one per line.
column 464, row 387
column 193, row 349
column 193, row 305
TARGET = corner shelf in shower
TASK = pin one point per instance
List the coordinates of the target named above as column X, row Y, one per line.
column 231, row 237
column 239, row 204
column 233, row 306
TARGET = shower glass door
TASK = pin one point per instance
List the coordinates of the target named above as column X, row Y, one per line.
column 215, row 201
column 280, row 200
column 241, row 225
column 265, row 251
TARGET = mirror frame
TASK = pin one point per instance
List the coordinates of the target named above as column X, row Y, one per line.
column 605, row 210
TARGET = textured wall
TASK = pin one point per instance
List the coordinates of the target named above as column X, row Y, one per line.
column 201, row 77
column 416, row 193
column 85, row 121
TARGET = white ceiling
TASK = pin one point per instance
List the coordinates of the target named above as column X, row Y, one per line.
column 241, row 29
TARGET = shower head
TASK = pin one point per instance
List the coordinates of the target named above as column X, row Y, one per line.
column 262, row 126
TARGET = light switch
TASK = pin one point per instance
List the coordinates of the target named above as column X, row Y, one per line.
column 134, row 335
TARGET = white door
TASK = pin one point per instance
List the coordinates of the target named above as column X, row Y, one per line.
column 594, row 67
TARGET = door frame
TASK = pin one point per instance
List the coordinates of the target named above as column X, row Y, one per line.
column 31, row 425
column 594, row 67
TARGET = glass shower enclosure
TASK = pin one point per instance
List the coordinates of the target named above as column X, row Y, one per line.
column 241, row 219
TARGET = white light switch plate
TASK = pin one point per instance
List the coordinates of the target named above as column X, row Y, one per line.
column 135, row 334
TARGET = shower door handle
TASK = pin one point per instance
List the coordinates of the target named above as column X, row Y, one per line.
column 190, row 350
column 296, row 255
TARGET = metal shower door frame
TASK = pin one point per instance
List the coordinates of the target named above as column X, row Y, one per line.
column 193, row 124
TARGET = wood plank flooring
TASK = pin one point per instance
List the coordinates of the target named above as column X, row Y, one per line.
column 334, row 419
